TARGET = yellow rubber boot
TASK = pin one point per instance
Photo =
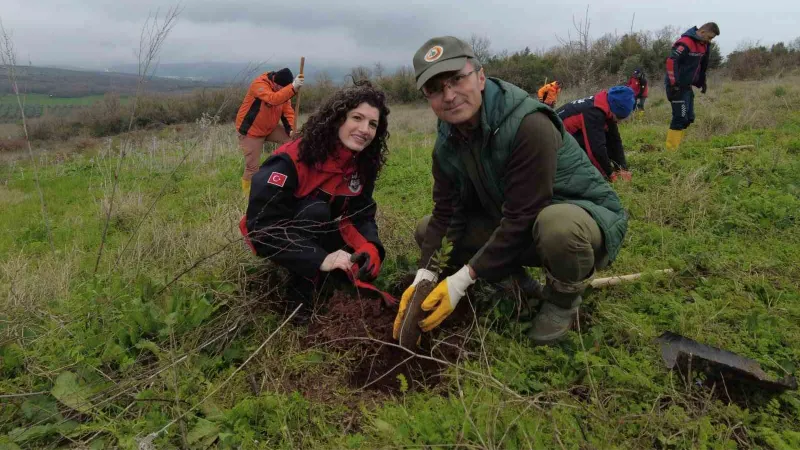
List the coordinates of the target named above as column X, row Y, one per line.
column 246, row 187
column 674, row 138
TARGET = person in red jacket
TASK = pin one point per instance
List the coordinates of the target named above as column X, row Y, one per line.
column 638, row 83
column 266, row 104
column 592, row 121
column 311, row 208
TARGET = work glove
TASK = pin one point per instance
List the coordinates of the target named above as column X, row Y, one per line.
column 621, row 174
column 704, row 88
column 422, row 274
column 674, row 93
column 298, row 82
column 339, row 259
column 367, row 262
column 445, row 297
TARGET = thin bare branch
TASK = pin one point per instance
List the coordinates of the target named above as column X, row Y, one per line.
column 8, row 57
column 147, row 441
column 154, row 33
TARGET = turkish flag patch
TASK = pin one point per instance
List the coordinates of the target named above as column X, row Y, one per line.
column 277, row 178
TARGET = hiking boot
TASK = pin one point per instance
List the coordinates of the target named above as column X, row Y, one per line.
column 554, row 318
column 559, row 308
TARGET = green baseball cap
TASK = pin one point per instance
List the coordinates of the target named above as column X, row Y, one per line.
column 438, row 55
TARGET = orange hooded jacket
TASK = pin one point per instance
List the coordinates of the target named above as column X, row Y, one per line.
column 548, row 94
column 263, row 108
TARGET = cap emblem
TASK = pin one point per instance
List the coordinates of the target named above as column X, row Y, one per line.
column 434, row 53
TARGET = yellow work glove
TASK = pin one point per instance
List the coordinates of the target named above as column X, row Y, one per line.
column 422, row 274
column 445, row 297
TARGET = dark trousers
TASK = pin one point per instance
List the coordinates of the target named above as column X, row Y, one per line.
column 683, row 110
column 566, row 241
column 312, row 224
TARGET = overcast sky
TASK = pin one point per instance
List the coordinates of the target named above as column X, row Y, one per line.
column 100, row 33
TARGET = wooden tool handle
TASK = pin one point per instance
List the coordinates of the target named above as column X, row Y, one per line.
column 611, row 281
column 297, row 102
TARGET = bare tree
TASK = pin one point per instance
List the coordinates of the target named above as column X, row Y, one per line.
column 378, row 70
column 154, row 33
column 580, row 58
column 481, row 47
column 668, row 33
column 795, row 45
column 323, row 79
column 9, row 59
column 360, row 73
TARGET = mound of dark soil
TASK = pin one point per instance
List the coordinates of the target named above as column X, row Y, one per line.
column 362, row 328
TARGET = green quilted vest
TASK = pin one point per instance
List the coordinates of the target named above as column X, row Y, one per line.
column 577, row 181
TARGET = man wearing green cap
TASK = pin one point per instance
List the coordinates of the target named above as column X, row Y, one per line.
column 511, row 188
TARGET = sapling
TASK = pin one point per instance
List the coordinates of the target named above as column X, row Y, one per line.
column 410, row 332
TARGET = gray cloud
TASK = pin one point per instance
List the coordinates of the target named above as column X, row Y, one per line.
column 94, row 33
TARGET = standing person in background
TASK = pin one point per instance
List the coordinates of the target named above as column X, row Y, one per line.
column 686, row 67
column 548, row 94
column 592, row 121
column 638, row 83
column 267, row 102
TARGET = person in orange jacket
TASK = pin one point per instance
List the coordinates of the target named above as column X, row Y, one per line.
column 266, row 104
column 548, row 94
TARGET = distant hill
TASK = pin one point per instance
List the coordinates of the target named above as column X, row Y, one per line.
column 225, row 72
column 78, row 83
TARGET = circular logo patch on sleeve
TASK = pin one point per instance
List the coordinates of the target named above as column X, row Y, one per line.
column 434, row 53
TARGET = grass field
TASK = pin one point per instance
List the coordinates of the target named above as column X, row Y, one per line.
column 161, row 347
column 37, row 105
column 46, row 100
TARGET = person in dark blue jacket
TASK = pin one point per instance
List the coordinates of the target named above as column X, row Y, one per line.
column 686, row 67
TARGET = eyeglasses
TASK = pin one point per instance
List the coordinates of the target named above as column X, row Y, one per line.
column 438, row 88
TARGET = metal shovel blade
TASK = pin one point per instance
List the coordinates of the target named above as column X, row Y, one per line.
column 685, row 353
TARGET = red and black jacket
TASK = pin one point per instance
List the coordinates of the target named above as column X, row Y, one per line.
column 278, row 186
column 688, row 61
column 590, row 122
column 639, row 86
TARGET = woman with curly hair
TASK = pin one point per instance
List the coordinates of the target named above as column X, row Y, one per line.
column 311, row 208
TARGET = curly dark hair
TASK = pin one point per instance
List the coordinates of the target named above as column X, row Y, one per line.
column 320, row 133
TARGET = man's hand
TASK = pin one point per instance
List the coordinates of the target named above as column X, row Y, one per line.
column 339, row 259
column 368, row 260
column 445, row 298
column 674, row 93
column 422, row 274
column 298, row 82
column 704, row 88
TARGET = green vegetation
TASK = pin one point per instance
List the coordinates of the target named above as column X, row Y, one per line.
column 37, row 105
column 46, row 100
column 155, row 337
column 66, row 83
